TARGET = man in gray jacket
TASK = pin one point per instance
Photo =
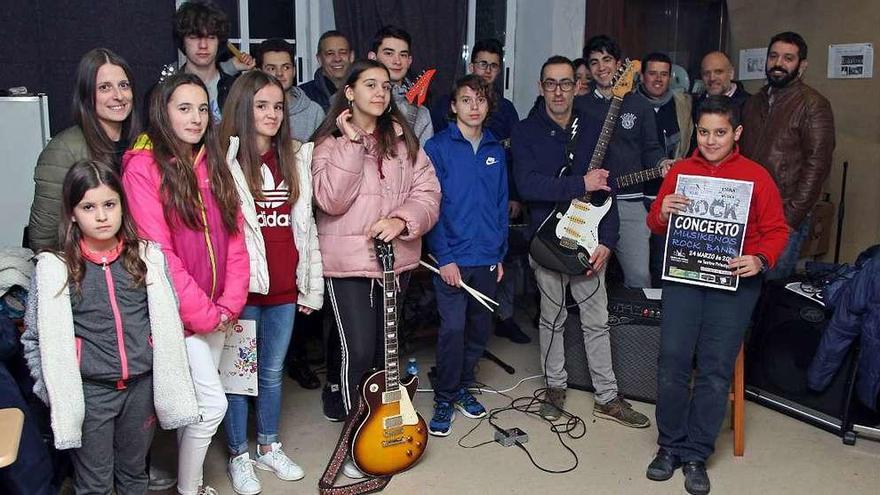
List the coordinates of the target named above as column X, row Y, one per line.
column 391, row 46
column 275, row 56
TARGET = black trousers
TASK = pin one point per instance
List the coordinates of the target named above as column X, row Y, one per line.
column 358, row 320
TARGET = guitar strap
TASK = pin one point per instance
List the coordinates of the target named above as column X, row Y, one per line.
column 569, row 149
column 326, row 483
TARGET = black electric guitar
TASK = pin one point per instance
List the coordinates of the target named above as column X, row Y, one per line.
column 393, row 435
column 566, row 239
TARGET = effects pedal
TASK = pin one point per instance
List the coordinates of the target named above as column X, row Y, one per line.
column 511, row 436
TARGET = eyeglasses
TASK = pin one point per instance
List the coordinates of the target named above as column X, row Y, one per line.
column 550, row 85
column 483, row 65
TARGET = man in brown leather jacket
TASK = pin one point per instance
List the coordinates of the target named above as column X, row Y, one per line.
column 788, row 128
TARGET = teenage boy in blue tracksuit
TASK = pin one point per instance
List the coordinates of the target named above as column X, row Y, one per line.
column 469, row 243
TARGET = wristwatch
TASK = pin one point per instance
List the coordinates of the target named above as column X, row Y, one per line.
column 765, row 265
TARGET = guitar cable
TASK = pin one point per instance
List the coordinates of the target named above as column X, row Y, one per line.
column 573, row 426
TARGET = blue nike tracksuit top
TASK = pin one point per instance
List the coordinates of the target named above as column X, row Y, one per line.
column 472, row 229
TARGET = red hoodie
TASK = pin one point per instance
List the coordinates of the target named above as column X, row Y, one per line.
column 766, row 232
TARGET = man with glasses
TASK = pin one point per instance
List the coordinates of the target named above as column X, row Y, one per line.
column 541, row 147
column 486, row 60
column 633, row 147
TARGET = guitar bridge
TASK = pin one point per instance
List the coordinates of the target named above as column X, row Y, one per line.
column 568, row 243
column 394, row 431
column 395, row 441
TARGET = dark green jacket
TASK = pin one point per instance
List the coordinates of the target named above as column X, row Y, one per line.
column 57, row 157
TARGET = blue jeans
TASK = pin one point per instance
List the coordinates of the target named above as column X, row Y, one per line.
column 274, row 328
column 709, row 324
column 787, row 261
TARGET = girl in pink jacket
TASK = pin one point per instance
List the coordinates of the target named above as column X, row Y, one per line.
column 183, row 197
column 371, row 181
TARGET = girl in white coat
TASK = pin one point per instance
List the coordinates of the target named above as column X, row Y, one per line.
column 271, row 173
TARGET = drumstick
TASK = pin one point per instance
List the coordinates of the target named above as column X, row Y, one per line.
column 479, row 296
column 234, row 51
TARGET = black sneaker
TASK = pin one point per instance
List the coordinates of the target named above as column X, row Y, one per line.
column 696, row 480
column 508, row 328
column 663, row 466
column 300, row 371
column 331, row 400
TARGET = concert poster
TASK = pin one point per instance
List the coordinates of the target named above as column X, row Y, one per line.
column 708, row 233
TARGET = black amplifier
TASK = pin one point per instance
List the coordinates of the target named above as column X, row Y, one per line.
column 631, row 305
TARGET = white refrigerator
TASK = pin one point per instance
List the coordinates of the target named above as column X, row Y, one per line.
column 24, row 132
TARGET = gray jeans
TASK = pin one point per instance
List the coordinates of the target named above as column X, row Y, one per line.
column 633, row 249
column 594, row 324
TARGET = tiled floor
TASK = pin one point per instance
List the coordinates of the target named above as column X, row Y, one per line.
column 782, row 455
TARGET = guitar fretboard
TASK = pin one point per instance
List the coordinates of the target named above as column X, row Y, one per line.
column 639, row 177
column 604, row 138
column 389, row 308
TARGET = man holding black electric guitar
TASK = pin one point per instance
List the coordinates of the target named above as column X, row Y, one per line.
column 634, row 157
column 552, row 151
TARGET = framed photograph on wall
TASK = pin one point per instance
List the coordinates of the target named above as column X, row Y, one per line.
column 752, row 62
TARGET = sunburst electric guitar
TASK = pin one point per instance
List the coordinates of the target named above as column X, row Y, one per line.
column 566, row 239
column 393, row 435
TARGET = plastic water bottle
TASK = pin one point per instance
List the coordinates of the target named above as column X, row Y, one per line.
column 412, row 367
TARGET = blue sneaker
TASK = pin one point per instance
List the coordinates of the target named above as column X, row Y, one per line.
column 441, row 423
column 468, row 405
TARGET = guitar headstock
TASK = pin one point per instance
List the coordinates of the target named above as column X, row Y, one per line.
column 385, row 254
column 624, row 80
column 419, row 90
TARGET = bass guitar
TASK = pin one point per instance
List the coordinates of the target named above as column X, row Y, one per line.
column 566, row 239
column 393, row 435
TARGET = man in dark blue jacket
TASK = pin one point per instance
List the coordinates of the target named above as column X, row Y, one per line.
column 486, row 62
column 539, row 152
column 633, row 147
column 469, row 242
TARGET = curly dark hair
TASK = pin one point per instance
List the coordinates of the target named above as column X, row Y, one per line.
column 202, row 18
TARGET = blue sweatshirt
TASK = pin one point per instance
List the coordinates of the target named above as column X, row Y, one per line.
column 472, row 229
column 538, row 145
column 500, row 122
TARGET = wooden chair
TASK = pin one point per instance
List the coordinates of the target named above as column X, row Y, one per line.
column 738, row 405
column 11, row 423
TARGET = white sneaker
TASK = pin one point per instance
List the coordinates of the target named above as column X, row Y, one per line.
column 351, row 471
column 160, row 480
column 277, row 461
column 206, row 490
column 241, row 473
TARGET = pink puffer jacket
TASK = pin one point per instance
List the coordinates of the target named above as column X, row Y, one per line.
column 351, row 196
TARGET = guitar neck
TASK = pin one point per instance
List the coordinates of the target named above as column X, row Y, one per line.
column 604, row 137
column 639, row 177
column 392, row 374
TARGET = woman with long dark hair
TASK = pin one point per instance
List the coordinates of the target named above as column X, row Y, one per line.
column 371, row 181
column 182, row 196
column 106, row 122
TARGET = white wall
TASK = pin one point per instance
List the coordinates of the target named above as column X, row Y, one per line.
column 313, row 17
column 543, row 28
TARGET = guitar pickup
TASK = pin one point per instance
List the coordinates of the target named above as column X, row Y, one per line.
column 390, row 397
column 392, row 422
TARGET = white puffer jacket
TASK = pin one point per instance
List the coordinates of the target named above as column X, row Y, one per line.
column 309, row 270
